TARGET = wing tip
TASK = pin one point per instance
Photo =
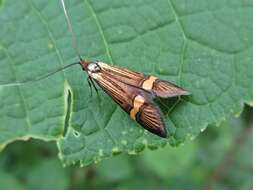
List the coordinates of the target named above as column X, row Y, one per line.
column 161, row 132
column 166, row 89
column 184, row 92
column 180, row 92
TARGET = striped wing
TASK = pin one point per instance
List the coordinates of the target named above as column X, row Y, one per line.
column 124, row 75
column 135, row 101
column 164, row 89
column 157, row 87
column 151, row 118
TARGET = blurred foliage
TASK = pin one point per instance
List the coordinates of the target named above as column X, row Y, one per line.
column 220, row 158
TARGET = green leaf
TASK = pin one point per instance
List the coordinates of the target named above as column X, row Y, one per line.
column 170, row 162
column 203, row 46
column 9, row 182
column 115, row 169
column 57, row 178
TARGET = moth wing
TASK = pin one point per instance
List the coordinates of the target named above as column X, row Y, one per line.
column 148, row 115
column 120, row 92
column 151, row 118
column 160, row 88
column 165, row 89
column 124, row 75
column 123, row 94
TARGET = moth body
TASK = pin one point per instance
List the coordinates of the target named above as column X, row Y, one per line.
column 134, row 92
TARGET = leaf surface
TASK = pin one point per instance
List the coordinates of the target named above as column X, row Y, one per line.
column 203, row 46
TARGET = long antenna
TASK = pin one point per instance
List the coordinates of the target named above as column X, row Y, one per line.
column 37, row 79
column 74, row 40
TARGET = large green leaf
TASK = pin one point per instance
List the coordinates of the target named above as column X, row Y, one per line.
column 204, row 46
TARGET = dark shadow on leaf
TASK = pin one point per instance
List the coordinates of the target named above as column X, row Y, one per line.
column 168, row 104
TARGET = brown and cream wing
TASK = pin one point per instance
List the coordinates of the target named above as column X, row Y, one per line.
column 166, row 89
column 160, row 88
column 124, row 75
column 121, row 93
column 135, row 101
column 152, row 119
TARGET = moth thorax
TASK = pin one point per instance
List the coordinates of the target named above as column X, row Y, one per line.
column 93, row 67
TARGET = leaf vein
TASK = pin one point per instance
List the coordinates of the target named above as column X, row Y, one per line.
column 100, row 29
column 50, row 34
column 27, row 118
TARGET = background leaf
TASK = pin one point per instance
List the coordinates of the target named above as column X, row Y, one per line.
column 203, row 46
column 9, row 182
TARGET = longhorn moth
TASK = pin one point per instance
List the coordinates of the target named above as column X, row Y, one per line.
column 132, row 91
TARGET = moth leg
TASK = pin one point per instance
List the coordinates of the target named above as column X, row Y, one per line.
column 88, row 79
column 93, row 84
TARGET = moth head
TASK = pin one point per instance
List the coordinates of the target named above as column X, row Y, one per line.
column 90, row 67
